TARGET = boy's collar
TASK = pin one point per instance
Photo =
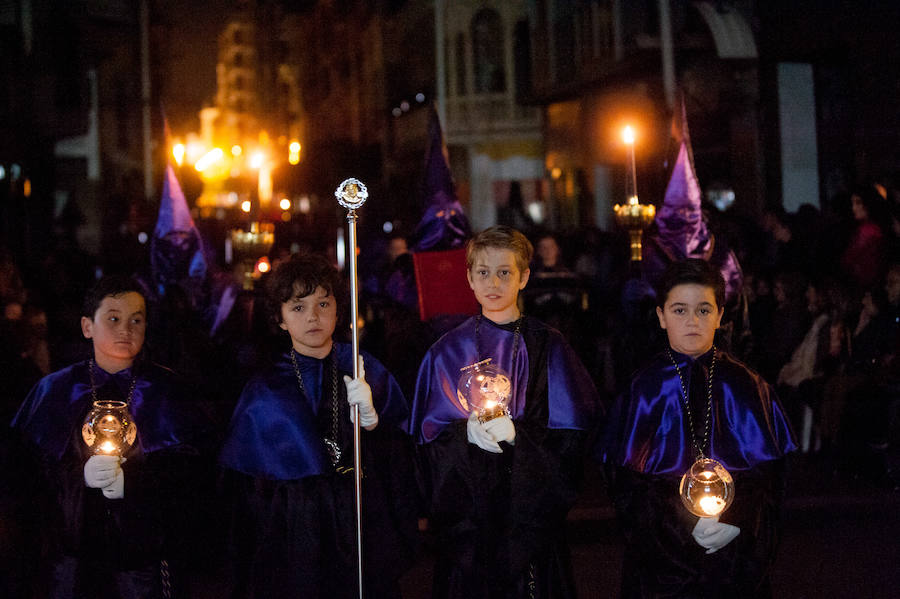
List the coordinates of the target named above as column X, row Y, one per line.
column 103, row 372
column 704, row 358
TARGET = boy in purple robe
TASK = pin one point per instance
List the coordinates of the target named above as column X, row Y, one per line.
column 289, row 457
column 498, row 492
column 109, row 522
column 690, row 400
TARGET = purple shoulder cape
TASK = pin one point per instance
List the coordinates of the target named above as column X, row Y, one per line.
column 57, row 404
column 648, row 430
column 273, row 432
column 572, row 397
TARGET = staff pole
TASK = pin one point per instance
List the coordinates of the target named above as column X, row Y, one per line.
column 351, row 194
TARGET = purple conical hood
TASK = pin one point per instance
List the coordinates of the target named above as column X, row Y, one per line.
column 444, row 224
column 176, row 250
column 681, row 228
column 174, row 214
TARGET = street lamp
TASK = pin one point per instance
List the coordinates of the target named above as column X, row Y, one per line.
column 633, row 216
column 178, row 153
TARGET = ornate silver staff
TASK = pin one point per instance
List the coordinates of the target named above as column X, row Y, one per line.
column 351, row 194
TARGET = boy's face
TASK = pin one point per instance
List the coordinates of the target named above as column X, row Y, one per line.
column 310, row 321
column 117, row 330
column 496, row 281
column 690, row 317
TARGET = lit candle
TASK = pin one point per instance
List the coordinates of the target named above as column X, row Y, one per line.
column 712, row 505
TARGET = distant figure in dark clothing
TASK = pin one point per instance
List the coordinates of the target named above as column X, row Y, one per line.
column 865, row 258
column 514, row 214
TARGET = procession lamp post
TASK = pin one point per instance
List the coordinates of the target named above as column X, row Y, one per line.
column 633, row 216
column 352, row 194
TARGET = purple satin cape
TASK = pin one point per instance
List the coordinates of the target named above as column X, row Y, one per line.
column 571, row 393
column 648, row 430
column 57, row 404
column 273, row 432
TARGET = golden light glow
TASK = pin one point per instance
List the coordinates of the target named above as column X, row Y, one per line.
column 108, row 447
column 245, row 206
column 178, row 153
column 26, row 188
column 262, row 265
column 556, row 173
column 284, row 204
column 264, row 185
column 712, row 505
column 194, row 150
column 209, row 159
column 257, row 159
column 628, row 135
column 236, row 150
column 294, row 153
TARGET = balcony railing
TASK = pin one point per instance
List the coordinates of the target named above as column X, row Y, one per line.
column 489, row 114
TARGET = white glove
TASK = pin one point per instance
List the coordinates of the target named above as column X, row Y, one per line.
column 105, row 472
column 501, row 429
column 116, row 489
column 712, row 535
column 359, row 393
column 480, row 436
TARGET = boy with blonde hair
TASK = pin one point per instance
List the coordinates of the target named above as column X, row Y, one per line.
column 498, row 491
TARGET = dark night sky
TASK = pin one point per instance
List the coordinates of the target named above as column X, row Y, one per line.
column 190, row 81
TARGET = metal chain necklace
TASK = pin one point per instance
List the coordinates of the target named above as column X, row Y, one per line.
column 94, row 384
column 516, row 336
column 332, row 443
column 699, row 448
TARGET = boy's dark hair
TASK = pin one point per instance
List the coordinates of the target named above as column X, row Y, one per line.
column 299, row 276
column 504, row 238
column 110, row 286
column 692, row 271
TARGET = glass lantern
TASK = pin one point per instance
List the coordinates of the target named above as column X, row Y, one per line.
column 707, row 488
column 485, row 388
column 109, row 428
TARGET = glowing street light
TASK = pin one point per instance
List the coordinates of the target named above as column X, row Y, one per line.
column 194, row 150
column 294, row 153
column 209, row 159
column 178, row 153
column 257, row 159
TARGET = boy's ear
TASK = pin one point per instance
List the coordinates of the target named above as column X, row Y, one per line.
column 282, row 326
column 469, row 279
column 662, row 317
column 523, row 278
column 87, row 327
